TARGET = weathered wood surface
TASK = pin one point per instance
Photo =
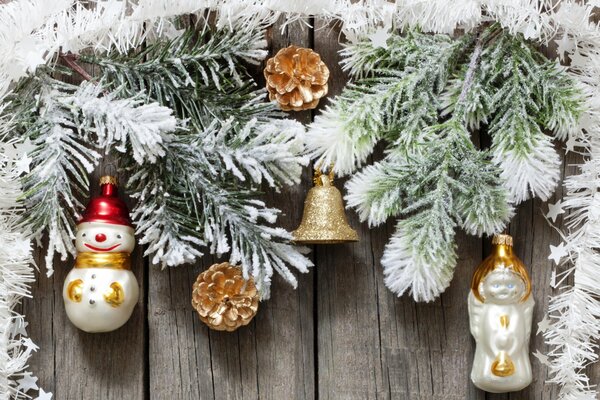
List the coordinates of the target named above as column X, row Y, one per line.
column 340, row 335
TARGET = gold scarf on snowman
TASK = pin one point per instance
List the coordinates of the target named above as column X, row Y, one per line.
column 103, row 260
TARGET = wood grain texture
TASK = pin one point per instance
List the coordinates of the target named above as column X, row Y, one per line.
column 340, row 335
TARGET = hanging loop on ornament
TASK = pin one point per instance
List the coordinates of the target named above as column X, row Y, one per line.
column 322, row 179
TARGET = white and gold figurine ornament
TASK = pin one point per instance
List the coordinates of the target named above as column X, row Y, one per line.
column 500, row 314
column 100, row 292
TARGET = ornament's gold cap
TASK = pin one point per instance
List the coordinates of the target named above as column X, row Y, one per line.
column 503, row 239
column 108, row 179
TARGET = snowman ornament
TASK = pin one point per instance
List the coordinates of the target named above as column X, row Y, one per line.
column 100, row 292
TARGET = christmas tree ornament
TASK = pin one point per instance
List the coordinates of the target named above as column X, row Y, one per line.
column 296, row 78
column 500, row 314
column 324, row 218
column 223, row 299
column 100, row 292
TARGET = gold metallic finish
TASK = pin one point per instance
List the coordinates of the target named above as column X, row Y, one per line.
column 318, row 178
column 223, row 299
column 504, row 321
column 103, row 260
column 501, row 257
column 503, row 366
column 107, row 179
column 503, row 239
column 296, row 78
column 324, row 219
column 75, row 290
column 115, row 296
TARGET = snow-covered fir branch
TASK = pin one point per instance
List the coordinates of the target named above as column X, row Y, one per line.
column 58, row 175
column 269, row 151
column 203, row 188
column 454, row 185
column 530, row 165
column 116, row 123
column 240, row 224
column 492, row 81
column 62, row 121
column 395, row 97
column 206, row 57
column 184, row 204
column 517, row 94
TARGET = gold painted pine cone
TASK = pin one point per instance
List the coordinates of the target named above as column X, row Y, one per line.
column 223, row 299
column 296, row 78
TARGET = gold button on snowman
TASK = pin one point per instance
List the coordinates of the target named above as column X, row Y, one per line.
column 100, row 292
column 500, row 314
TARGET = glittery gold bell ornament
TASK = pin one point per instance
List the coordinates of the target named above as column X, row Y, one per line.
column 324, row 219
column 500, row 315
column 223, row 298
column 296, row 78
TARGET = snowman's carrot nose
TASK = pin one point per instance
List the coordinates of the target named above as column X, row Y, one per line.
column 100, row 237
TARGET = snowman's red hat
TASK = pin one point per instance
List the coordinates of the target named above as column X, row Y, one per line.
column 107, row 208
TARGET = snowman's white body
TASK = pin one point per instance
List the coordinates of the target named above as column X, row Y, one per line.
column 91, row 312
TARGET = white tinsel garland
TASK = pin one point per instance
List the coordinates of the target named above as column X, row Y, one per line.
column 16, row 274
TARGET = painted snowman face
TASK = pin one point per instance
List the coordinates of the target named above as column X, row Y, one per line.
column 98, row 237
column 502, row 286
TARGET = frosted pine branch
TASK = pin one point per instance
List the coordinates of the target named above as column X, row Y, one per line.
column 188, row 206
column 117, row 123
column 416, row 264
column 269, row 150
column 395, row 101
column 376, row 192
column 207, row 58
column 530, row 165
column 450, row 185
column 59, row 169
column 67, row 117
column 163, row 221
column 259, row 248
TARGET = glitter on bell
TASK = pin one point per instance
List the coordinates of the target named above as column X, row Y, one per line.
column 324, row 220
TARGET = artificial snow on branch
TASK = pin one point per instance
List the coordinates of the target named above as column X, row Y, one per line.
column 60, row 119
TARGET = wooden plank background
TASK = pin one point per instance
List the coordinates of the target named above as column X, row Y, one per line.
column 340, row 335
